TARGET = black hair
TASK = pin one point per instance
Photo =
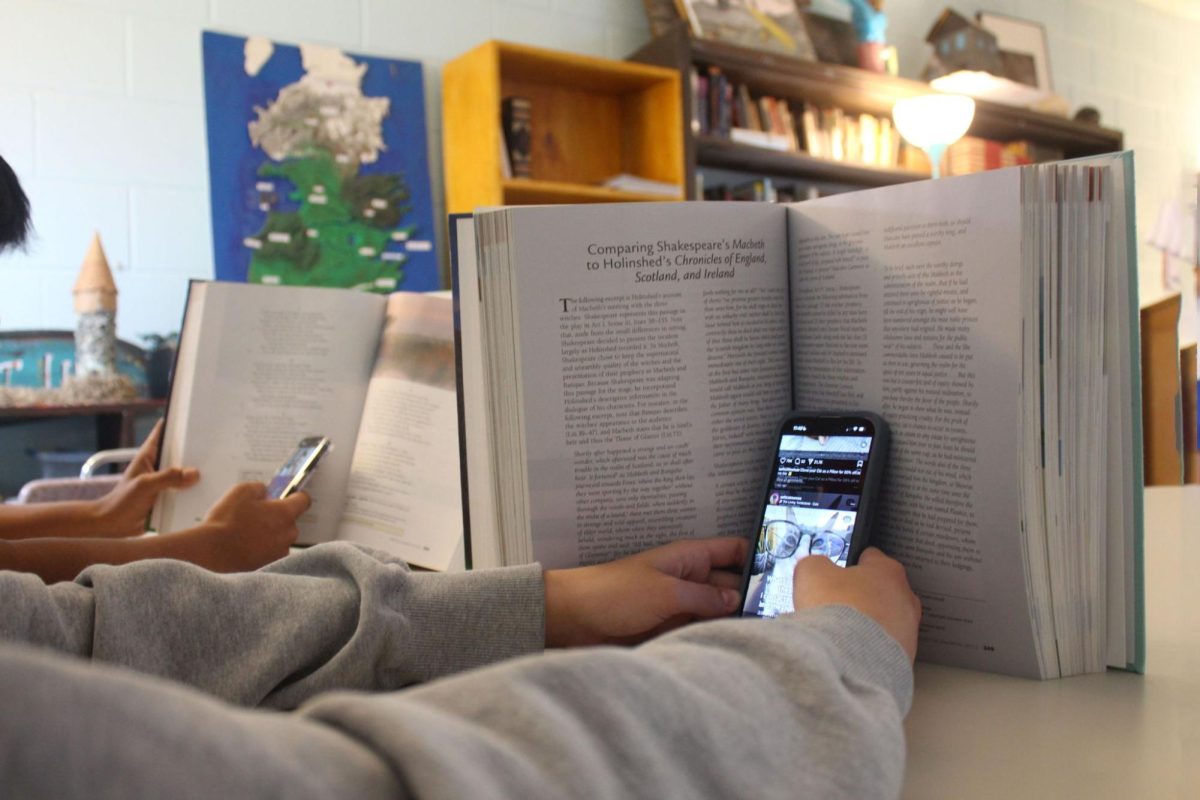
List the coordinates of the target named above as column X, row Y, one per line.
column 15, row 222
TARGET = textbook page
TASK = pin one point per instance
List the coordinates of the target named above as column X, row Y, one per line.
column 654, row 366
column 906, row 301
column 260, row 368
column 403, row 495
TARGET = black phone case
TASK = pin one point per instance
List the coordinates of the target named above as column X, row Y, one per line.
column 872, row 483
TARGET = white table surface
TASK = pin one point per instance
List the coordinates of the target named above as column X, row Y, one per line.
column 978, row 735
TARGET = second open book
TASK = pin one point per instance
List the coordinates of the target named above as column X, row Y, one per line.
column 261, row 367
column 623, row 368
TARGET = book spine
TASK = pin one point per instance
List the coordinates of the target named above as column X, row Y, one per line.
column 789, row 125
column 715, row 93
column 517, row 118
column 748, row 109
column 812, row 131
column 726, row 115
column 701, row 110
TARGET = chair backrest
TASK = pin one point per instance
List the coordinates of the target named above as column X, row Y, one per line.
column 119, row 455
column 88, row 486
column 51, row 490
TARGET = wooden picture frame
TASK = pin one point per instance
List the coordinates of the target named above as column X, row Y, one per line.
column 768, row 25
column 1021, row 36
column 663, row 15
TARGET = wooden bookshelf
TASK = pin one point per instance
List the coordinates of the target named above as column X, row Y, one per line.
column 1162, row 434
column 715, row 151
column 1187, row 393
column 853, row 90
column 592, row 118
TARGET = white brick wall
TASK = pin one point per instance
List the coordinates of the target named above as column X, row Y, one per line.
column 101, row 110
column 51, row 45
column 164, row 55
column 335, row 22
column 16, row 128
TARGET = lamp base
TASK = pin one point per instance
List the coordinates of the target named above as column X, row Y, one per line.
column 935, row 153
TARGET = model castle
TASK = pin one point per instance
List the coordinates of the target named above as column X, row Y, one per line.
column 96, row 311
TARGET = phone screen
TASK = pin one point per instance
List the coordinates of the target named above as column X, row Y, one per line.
column 303, row 458
column 811, row 507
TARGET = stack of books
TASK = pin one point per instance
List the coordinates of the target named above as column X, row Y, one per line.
column 973, row 154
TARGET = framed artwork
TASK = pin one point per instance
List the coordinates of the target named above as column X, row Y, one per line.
column 318, row 167
column 661, row 15
column 756, row 24
column 1021, row 38
column 833, row 39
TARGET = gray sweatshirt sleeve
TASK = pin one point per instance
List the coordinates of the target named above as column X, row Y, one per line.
column 807, row 706
column 333, row 617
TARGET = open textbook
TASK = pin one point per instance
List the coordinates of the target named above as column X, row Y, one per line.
column 623, row 367
column 261, row 367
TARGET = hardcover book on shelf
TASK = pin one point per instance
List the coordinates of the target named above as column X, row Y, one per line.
column 638, row 183
column 261, row 367
column 758, row 138
column 699, row 88
column 516, row 115
column 622, row 368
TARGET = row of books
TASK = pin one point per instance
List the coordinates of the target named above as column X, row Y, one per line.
column 973, row 154
column 721, row 107
column 858, row 138
column 764, row 189
column 725, row 108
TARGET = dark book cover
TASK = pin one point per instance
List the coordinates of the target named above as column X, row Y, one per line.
column 516, row 117
column 715, row 91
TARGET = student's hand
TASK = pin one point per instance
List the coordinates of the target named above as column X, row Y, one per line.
column 123, row 511
column 877, row 587
column 251, row 530
column 635, row 598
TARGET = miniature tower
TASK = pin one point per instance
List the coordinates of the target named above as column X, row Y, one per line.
column 96, row 309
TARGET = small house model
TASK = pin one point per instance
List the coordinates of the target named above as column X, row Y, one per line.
column 959, row 43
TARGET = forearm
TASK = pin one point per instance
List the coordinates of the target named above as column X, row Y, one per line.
column 54, row 560
column 77, row 518
column 332, row 617
column 804, row 707
column 61, row 559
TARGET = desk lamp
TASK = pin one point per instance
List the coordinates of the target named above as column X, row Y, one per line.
column 933, row 122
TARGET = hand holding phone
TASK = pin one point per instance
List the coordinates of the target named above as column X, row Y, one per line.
column 299, row 468
column 876, row 586
column 819, row 500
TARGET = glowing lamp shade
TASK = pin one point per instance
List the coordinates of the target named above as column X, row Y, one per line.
column 933, row 122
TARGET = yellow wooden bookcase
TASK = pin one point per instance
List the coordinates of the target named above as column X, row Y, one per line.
column 592, row 118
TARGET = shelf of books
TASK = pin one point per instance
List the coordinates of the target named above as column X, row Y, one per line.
column 526, row 125
column 769, row 114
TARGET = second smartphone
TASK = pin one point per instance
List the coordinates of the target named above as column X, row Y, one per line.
column 299, row 467
column 821, row 492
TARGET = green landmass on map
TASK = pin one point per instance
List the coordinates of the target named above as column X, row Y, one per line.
column 339, row 232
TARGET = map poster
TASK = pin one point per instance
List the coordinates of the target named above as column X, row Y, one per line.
column 318, row 167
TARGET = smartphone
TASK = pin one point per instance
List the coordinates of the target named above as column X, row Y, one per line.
column 299, row 467
column 819, row 499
